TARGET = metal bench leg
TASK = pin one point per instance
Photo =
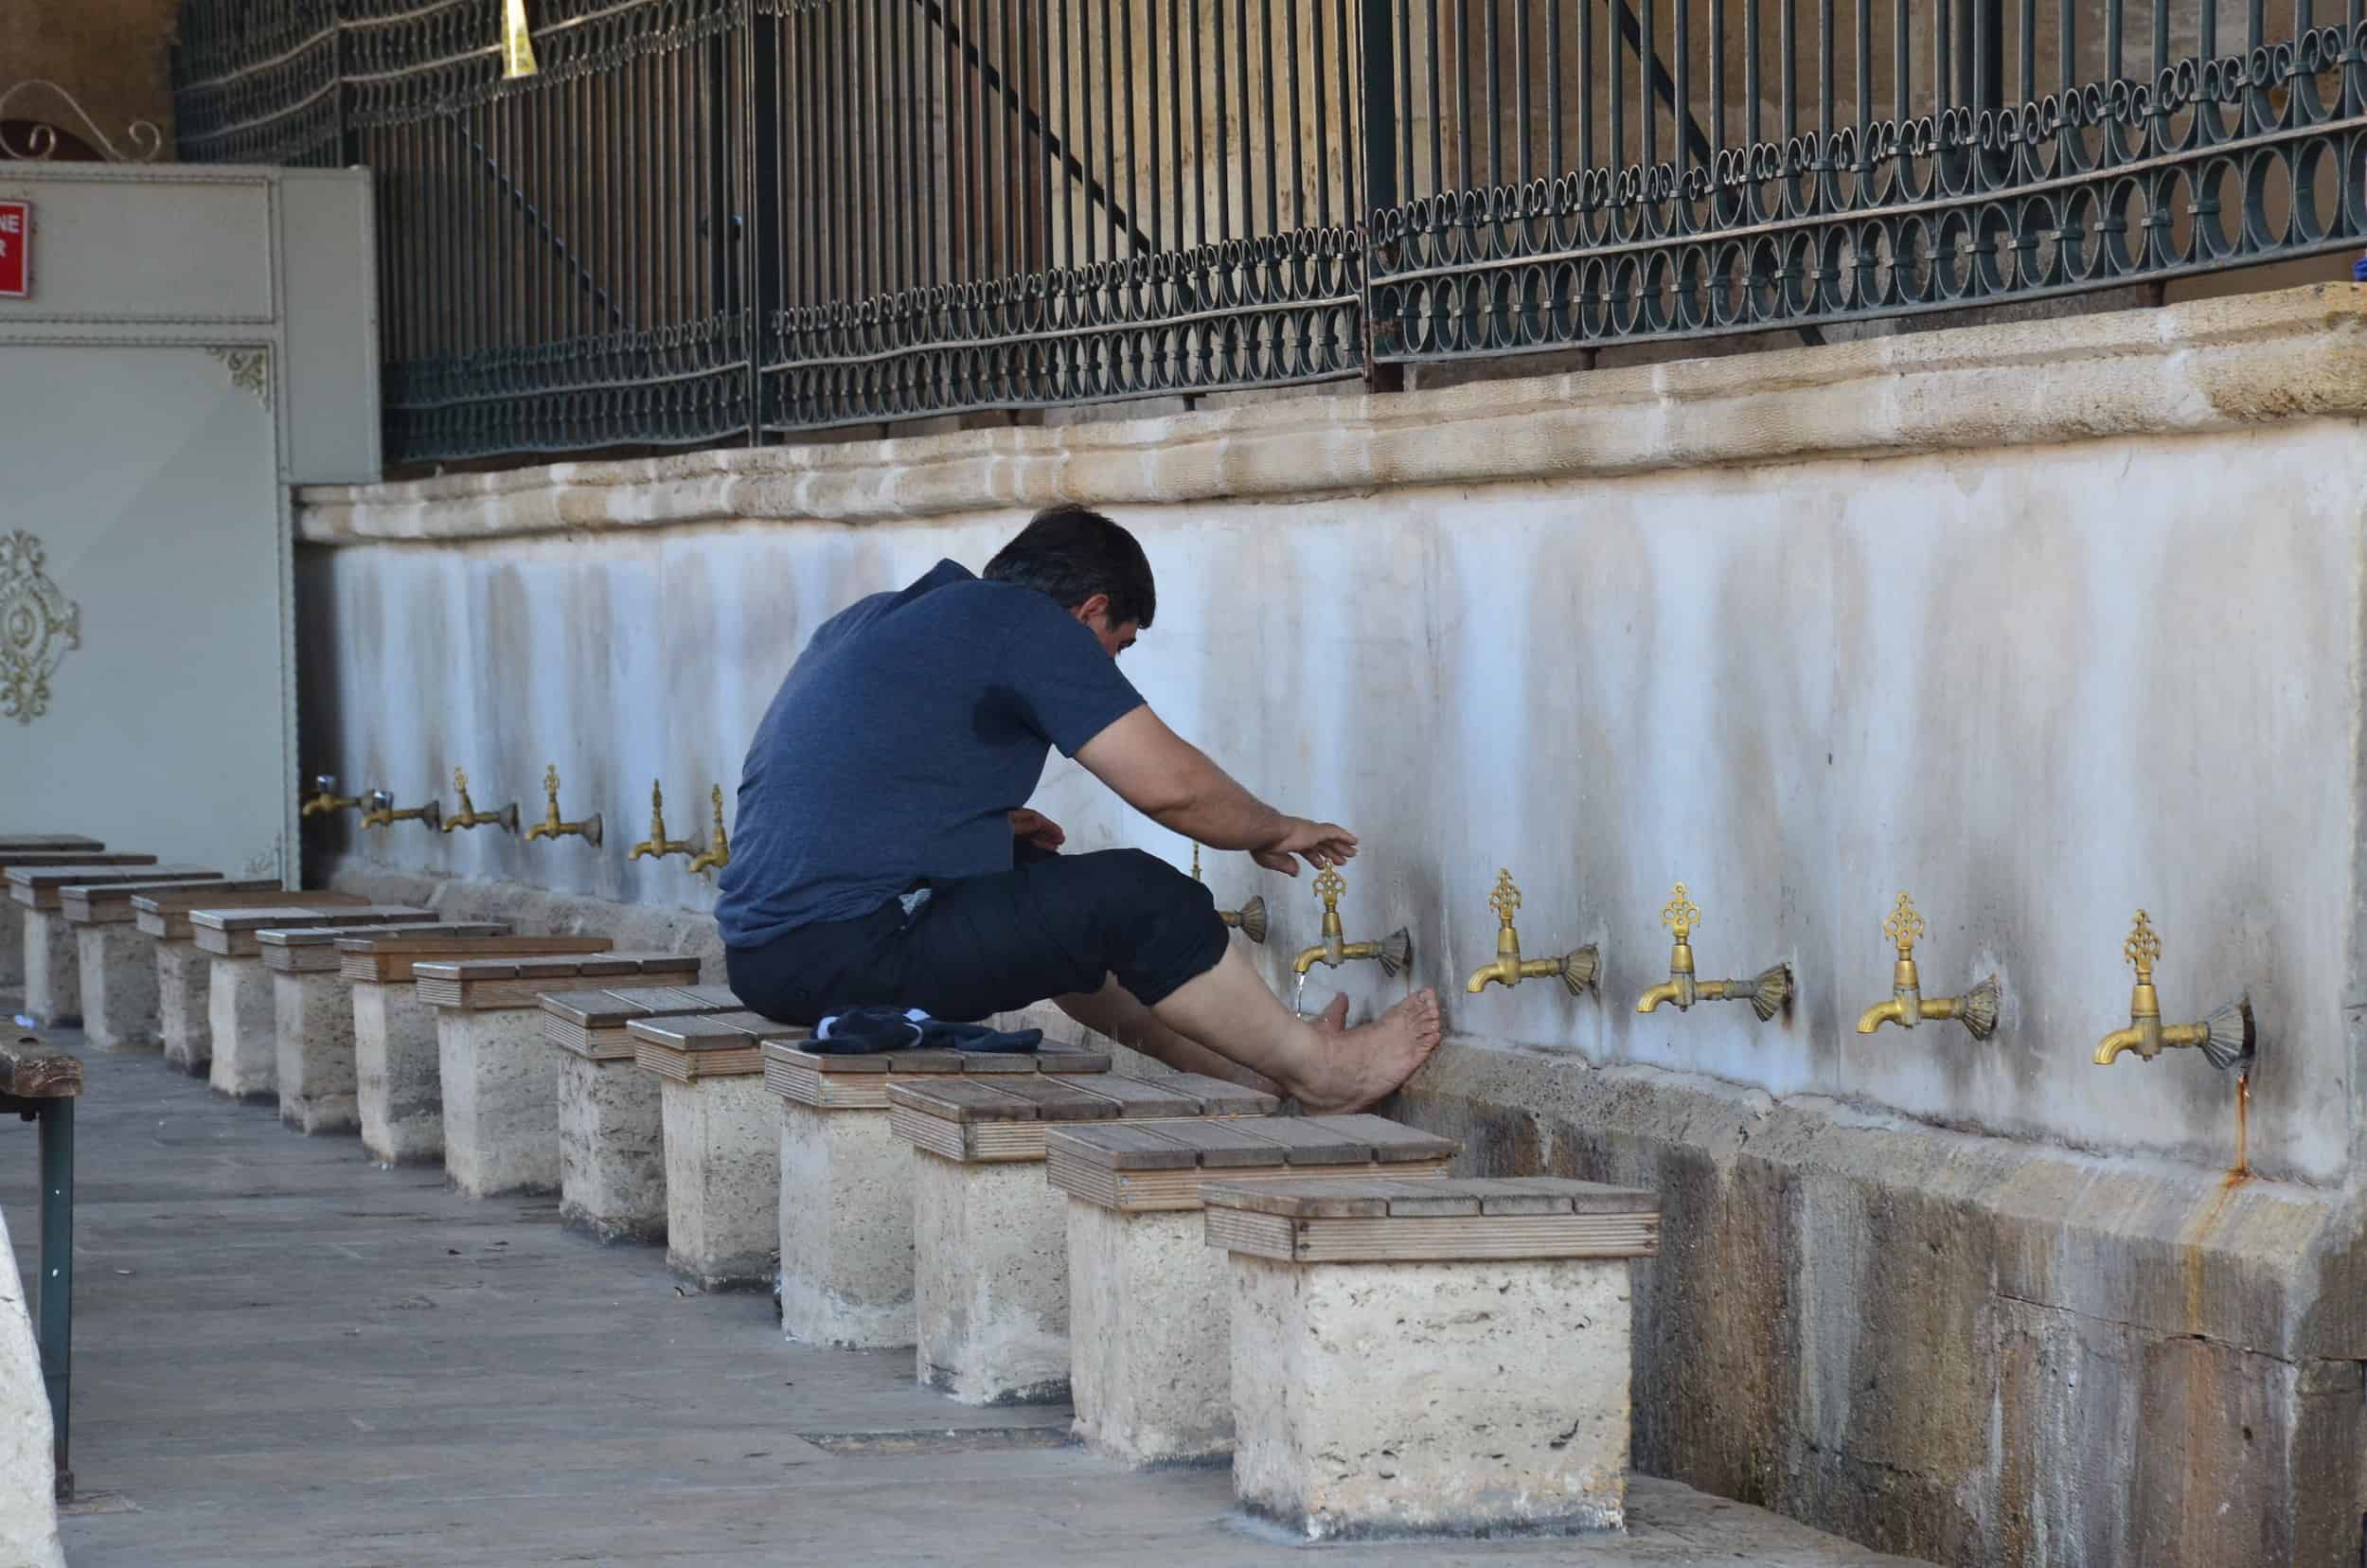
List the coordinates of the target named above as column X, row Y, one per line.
column 57, row 1274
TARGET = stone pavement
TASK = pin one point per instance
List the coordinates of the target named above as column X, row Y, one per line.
column 286, row 1356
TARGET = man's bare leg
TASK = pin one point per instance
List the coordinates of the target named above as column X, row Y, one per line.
column 1113, row 1011
column 1231, row 1012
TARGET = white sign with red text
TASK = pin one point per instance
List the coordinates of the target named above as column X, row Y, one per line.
column 16, row 250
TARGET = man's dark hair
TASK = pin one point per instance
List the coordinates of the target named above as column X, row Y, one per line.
column 1073, row 554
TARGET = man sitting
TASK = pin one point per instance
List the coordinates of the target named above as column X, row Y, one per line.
column 881, row 856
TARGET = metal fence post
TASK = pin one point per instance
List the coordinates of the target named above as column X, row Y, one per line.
column 57, row 1274
column 760, row 158
column 1377, row 105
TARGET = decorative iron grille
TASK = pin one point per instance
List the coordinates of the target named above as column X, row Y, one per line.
column 1593, row 173
column 709, row 220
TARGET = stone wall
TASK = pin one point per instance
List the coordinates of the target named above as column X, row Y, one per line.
column 2041, row 623
column 29, row 1474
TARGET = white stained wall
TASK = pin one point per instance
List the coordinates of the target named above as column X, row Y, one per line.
column 2037, row 689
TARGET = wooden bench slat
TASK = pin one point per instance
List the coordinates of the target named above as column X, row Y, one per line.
column 1465, row 1195
column 961, row 1100
column 336, row 936
column 1138, row 1098
column 99, row 904
column 38, row 888
column 1298, row 1200
column 37, row 843
column 1118, row 1145
column 31, row 1070
column 1316, row 1141
column 1391, row 1141
column 604, row 1010
column 1219, row 1099
column 1067, row 1099
column 1217, row 1145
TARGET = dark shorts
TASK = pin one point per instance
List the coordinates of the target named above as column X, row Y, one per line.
column 1049, row 927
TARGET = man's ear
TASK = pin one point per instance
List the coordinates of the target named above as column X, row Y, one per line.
column 1093, row 612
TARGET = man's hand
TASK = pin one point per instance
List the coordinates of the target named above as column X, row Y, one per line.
column 1322, row 844
column 1036, row 828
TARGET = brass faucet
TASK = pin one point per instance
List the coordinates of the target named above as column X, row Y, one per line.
column 1976, row 1009
column 1250, row 919
column 657, row 845
column 1393, row 952
column 469, row 816
column 1576, row 968
column 1767, row 994
column 719, row 850
column 324, row 798
column 551, row 828
column 2226, row 1037
column 380, row 812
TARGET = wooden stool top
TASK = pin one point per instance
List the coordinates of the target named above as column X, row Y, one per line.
column 1144, row 1167
column 11, row 859
column 49, row 844
column 832, row 1083
column 706, row 1046
column 595, row 1024
column 1004, row 1117
column 312, row 949
column 391, row 956
column 238, row 933
column 41, row 886
column 30, row 1070
column 164, row 913
column 110, row 903
column 483, row 985
column 1460, row 1219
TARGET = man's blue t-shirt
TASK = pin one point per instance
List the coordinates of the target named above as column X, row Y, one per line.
column 907, row 731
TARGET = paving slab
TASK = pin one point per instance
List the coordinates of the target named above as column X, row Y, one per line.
column 286, row 1356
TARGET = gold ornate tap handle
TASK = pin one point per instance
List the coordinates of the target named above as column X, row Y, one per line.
column 1904, row 926
column 1505, row 899
column 2144, row 946
column 1329, row 884
column 1681, row 914
column 550, row 784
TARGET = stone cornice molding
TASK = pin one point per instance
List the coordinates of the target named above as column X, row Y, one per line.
column 2206, row 365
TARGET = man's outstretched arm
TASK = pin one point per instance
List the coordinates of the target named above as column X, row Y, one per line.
column 1172, row 782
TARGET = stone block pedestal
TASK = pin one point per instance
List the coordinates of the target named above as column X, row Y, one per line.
column 242, row 1013
column 11, row 944
column 53, row 969
column 1148, row 1315
column 723, row 1144
column 612, row 1148
column 500, row 1081
column 989, row 1281
column 398, row 1093
column 122, row 1002
column 183, row 1003
column 1405, row 1363
column 723, row 1182
column 846, row 1228
column 312, row 1028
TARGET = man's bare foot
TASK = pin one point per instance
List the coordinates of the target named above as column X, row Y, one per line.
column 1363, row 1066
column 1334, row 1017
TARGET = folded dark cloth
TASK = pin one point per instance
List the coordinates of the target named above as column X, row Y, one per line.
column 868, row 1031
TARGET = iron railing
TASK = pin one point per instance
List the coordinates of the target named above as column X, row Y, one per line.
column 712, row 220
